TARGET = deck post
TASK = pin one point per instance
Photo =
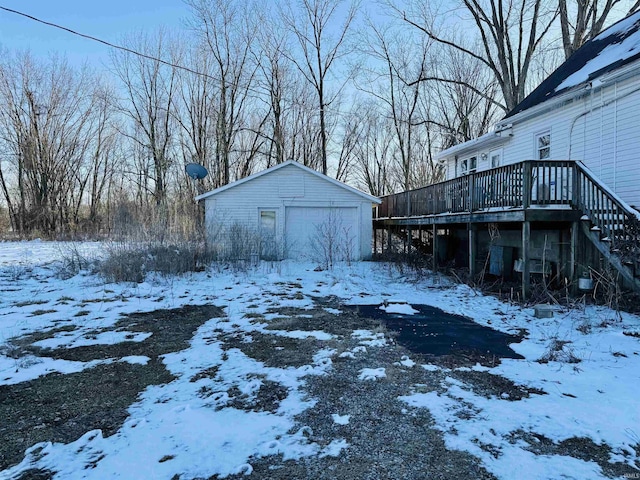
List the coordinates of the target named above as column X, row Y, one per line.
column 434, row 246
column 472, row 229
column 573, row 271
column 388, row 238
column 526, row 185
column 473, row 249
column 575, row 187
column 526, row 277
column 375, row 240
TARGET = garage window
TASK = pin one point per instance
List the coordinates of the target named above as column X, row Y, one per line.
column 268, row 247
column 268, row 222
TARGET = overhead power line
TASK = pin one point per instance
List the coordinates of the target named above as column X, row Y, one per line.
column 108, row 44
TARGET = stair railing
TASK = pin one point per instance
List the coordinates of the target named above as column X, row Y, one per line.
column 618, row 222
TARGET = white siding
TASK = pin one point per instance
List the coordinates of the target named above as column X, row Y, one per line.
column 288, row 186
column 600, row 128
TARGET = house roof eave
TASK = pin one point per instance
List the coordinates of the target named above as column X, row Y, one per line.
column 487, row 140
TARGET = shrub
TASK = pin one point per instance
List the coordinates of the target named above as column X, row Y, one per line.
column 332, row 241
column 129, row 262
column 557, row 351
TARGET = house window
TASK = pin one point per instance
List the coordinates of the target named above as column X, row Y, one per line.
column 468, row 165
column 495, row 159
column 543, row 145
column 473, row 164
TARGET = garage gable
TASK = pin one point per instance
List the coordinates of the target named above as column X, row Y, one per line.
column 293, row 178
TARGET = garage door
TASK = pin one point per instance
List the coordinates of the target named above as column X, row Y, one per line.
column 314, row 233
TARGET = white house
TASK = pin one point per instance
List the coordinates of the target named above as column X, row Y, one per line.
column 290, row 211
column 587, row 110
column 551, row 195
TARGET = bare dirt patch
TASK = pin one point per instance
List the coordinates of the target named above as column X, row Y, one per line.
column 61, row 408
column 490, row 385
column 275, row 350
column 318, row 318
column 578, row 447
column 386, row 438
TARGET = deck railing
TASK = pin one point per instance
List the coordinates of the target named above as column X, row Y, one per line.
column 519, row 185
column 618, row 223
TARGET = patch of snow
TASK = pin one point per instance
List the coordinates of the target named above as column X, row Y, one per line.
column 430, row 367
column 73, row 340
column 333, row 311
column 622, row 50
column 346, row 355
column 372, row 373
column 302, row 334
column 136, row 359
column 30, row 367
column 369, row 338
column 334, row 448
column 340, row 419
column 399, row 308
column 405, row 362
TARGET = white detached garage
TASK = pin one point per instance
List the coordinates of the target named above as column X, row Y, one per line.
column 289, row 211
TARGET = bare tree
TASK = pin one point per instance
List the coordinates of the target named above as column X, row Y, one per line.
column 150, row 88
column 104, row 158
column 394, row 80
column 312, row 25
column 227, row 35
column 303, row 128
column 582, row 20
column 373, row 152
column 510, row 33
column 275, row 82
column 196, row 116
column 460, row 113
column 45, row 114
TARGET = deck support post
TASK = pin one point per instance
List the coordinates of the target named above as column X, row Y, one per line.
column 526, row 277
column 388, row 238
column 434, row 246
column 472, row 229
column 375, row 241
column 573, row 271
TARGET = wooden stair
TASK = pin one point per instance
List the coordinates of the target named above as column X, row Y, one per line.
column 611, row 225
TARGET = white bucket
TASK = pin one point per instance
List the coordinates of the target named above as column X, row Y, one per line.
column 585, row 284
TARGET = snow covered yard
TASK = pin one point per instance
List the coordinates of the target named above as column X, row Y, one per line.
column 265, row 374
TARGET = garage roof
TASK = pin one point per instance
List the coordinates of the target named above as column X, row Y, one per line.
column 366, row 196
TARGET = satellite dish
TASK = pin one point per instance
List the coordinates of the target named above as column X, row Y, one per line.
column 196, row 171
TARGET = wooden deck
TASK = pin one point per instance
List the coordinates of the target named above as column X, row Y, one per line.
column 506, row 193
column 526, row 193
